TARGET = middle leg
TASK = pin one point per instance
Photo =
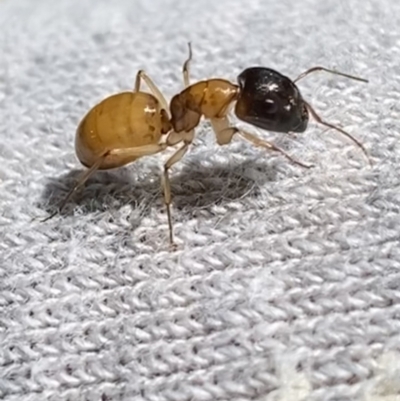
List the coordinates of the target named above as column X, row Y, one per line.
column 177, row 156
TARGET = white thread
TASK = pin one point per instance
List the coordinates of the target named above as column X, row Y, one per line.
column 286, row 285
column 386, row 383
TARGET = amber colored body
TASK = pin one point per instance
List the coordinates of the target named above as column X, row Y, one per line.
column 129, row 125
column 210, row 99
column 124, row 120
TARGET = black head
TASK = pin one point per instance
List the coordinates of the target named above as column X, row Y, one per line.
column 271, row 101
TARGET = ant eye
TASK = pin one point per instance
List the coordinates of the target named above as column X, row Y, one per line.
column 270, row 106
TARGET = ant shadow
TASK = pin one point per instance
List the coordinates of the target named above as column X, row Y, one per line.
column 194, row 187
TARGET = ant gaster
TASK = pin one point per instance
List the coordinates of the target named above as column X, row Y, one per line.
column 129, row 125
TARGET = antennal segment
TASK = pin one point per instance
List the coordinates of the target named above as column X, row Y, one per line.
column 319, row 120
column 318, row 68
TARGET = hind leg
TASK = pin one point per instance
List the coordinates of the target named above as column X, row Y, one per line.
column 124, row 153
column 185, row 68
column 141, row 75
column 84, row 177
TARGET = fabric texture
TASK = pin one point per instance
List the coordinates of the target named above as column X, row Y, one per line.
column 286, row 281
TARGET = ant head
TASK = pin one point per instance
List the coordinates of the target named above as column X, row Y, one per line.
column 270, row 101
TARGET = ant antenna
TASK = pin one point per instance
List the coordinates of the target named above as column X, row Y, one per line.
column 314, row 69
column 319, row 120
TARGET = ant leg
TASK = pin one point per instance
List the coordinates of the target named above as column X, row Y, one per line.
column 319, row 120
column 185, row 69
column 141, row 75
column 85, row 176
column 225, row 133
column 268, row 145
column 318, row 68
column 174, row 138
column 177, row 156
column 153, row 149
column 136, row 152
column 128, row 153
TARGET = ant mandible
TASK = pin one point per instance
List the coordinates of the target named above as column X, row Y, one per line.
column 129, row 125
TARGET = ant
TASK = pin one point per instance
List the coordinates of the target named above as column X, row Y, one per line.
column 132, row 124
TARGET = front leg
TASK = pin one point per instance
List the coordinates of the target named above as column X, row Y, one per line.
column 224, row 133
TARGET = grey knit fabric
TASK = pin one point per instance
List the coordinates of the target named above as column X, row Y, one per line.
column 286, row 282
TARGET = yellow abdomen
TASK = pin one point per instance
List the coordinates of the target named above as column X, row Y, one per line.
column 124, row 120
